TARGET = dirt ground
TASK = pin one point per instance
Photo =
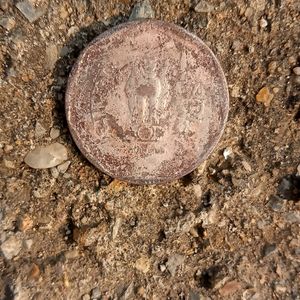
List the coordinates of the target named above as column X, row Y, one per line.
column 228, row 230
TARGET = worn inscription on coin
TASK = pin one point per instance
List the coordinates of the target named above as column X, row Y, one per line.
column 146, row 102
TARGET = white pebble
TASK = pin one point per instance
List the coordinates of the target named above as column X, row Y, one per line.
column 54, row 133
column 296, row 70
column 44, row 157
column 162, row 267
column 227, row 153
column 263, row 23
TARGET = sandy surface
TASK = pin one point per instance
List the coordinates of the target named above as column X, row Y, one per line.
column 229, row 230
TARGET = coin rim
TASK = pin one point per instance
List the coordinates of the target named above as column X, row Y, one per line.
column 68, row 100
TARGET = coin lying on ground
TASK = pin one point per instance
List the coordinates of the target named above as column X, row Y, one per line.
column 146, row 102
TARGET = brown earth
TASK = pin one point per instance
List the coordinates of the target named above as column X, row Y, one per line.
column 228, row 230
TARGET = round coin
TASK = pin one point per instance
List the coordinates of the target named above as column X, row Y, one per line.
column 147, row 102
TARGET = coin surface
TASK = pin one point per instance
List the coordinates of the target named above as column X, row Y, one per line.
column 146, row 102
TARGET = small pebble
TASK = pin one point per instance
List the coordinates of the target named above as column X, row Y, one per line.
column 72, row 30
column 293, row 217
column 174, row 262
column 246, row 166
column 289, row 187
column 86, row 297
column 7, row 23
column 227, row 153
column 29, row 11
column 54, row 133
column 72, row 254
column 11, row 247
column 34, row 272
column 230, row 288
column 264, row 96
column 203, row 7
column 235, row 92
column 143, row 264
column 54, row 172
column 8, row 163
column 8, row 148
column 237, row 45
column 263, row 23
column 280, row 289
column 63, row 167
column 162, row 267
column 51, row 56
column 268, row 249
column 116, row 227
column 292, row 60
column 96, row 293
column 28, row 244
column 129, row 292
column 296, row 71
column 272, row 67
column 4, row 4
column 276, row 203
column 142, row 10
column 193, row 295
column 25, row 223
column 194, row 232
column 39, row 130
column 84, row 220
column 261, row 224
column 44, row 157
column 63, row 12
column 197, row 190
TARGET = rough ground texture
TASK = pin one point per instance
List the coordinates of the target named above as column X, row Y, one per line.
column 228, row 230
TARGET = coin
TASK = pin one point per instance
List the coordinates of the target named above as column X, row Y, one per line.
column 146, row 102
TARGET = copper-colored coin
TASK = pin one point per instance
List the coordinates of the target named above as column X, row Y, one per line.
column 147, row 102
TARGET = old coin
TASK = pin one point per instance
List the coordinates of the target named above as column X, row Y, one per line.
column 146, row 102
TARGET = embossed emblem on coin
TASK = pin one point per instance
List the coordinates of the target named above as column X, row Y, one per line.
column 146, row 102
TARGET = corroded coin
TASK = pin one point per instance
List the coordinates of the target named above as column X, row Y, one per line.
column 146, row 102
